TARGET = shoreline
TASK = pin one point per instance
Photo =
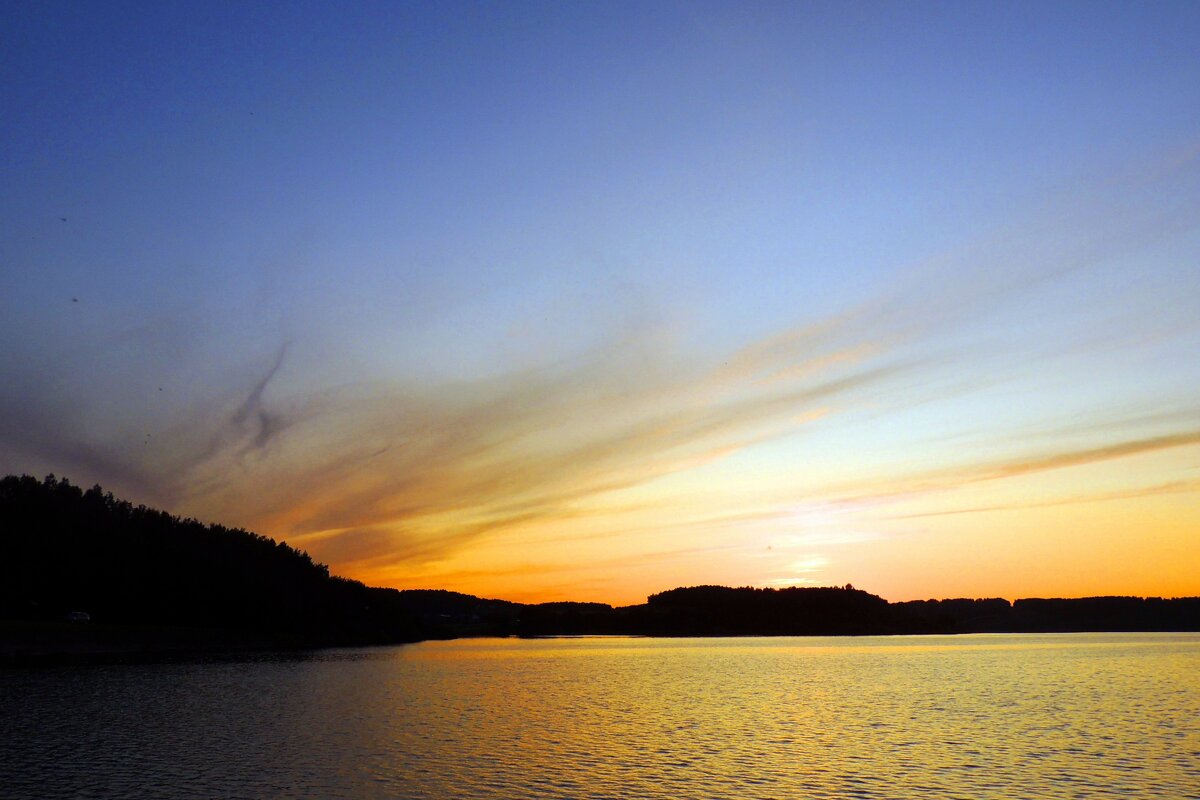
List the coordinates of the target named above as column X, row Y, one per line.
column 34, row 644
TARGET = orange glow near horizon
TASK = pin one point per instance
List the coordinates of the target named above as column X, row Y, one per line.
column 1027, row 536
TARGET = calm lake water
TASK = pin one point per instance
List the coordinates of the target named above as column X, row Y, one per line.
column 988, row 716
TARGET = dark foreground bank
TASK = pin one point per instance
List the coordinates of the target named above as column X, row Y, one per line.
column 86, row 575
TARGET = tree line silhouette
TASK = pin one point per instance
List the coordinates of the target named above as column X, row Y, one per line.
column 67, row 551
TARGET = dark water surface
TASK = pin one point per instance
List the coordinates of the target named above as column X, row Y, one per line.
column 986, row 716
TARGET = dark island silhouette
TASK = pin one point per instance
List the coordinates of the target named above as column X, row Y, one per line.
column 84, row 574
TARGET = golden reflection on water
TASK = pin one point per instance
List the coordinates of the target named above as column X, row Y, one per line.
column 900, row 718
column 591, row 646
column 889, row 717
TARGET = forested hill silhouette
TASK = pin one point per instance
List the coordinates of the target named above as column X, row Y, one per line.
column 146, row 580
column 68, row 553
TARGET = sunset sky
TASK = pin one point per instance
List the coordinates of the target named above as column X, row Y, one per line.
column 591, row 300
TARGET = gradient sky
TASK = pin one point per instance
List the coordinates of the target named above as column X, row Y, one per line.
column 586, row 301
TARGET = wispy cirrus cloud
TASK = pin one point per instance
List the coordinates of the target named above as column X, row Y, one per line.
column 968, row 472
column 1173, row 487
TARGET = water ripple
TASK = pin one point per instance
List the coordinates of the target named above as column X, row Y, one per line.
column 1064, row 716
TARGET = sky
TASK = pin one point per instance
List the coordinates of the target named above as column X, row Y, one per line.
column 585, row 301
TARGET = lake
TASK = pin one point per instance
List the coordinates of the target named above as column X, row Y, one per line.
column 980, row 716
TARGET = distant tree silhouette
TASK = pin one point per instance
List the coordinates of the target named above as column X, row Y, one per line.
column 720, row 610
column 65, row 550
